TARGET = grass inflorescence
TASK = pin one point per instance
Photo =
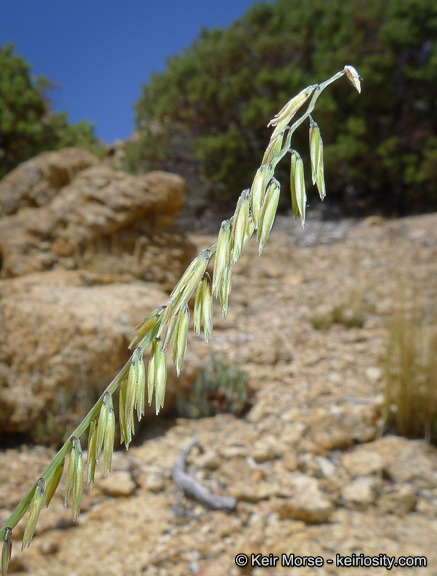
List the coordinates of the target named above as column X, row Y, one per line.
column 167, row 327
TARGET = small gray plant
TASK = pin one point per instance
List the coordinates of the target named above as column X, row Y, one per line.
column 218, row 388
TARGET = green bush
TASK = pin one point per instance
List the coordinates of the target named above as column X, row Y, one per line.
column 27, row 126
column 218, row 93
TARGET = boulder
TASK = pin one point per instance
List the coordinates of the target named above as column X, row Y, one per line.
column 340, row 426
column 100, row 219
column 36, row 182
column 398, row 500
column 307, row 503
column 64, row 337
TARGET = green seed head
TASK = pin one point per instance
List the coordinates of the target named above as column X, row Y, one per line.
column 125, row 432
column 273, row 150
column 151, row 374
column 198, row 312
column 187, row 285
column 78, row 485
column 259, row 185
column 179, row 340
column 289, row 110
column 225, row 291
column 354, row 77
column 91, row 454
column 297, row 185
column 147, row 329
column 6, row 550
column 160, row 377
column 207, row 312
column 37, row 503
column 316, row 154
column 108, row 443
column 222, row 256
column 72, row 466
column 268, row 212
column 53, row 482
column 103, row 422
column 141, row 385
column 240, row 225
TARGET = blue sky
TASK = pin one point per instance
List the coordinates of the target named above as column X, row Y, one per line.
column 99, row 52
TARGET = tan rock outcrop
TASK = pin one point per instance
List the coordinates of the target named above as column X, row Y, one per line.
column 36, row 182
column 99, row 219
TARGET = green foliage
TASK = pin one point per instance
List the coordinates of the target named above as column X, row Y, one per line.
column 222, row 88
column 27, row 127
column 410, row 370
column 218, row 388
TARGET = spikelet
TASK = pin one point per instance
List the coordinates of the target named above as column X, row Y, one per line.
column 187, row 285
column 268, row 212
column 354, row 77
column 179, row 340
column 53, row 483
column 37, row 503
column 259, row 185
column 297, row 185
column 91, row 453
column 240, row 225
column 103, row 423
column 135, row 384
column 157, row 374
column 222, row 256
column 207, row 312
column 6, row 550
column 141, row 386
column 147, row 329
column 78, row 485
column 316, row 155
column 284, row 116
column 125, row 431
column 198, row 308
column 273, row 150
column 160, row 380
column 75, row 476
column 108, row 443
column 225, row 290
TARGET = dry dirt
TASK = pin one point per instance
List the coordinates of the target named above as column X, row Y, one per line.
column 313, row 470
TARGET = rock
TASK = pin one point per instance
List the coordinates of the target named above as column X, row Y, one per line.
column 142, row 534
column 327, row 468
column 360, row 493
column 289, row 461
column 374, row 374
column 340, row 426
column 48, row 547
column 265, row 450
column 36, row 182
column 117, row 484
column 155, row 483
column 308, row 503
column 363, row 462
column 103, row 220
column 62, row 341
column 399, row 500
column 407, row 461
column 252, row 492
